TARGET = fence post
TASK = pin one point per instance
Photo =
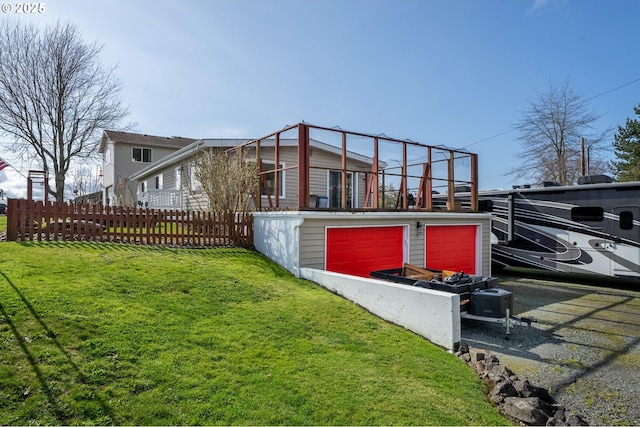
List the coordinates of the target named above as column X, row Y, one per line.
column 13, row 205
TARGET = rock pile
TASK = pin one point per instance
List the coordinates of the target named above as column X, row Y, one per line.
column 515, row 397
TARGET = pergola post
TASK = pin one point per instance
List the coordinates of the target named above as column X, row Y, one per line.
column 303, row 165
column 451, row 185
column 343, row 196
column 474, row 182
column 277, row 172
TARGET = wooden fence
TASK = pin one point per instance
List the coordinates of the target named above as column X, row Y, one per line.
column 38, row 221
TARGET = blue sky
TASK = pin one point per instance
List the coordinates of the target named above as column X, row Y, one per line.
column 453, row 72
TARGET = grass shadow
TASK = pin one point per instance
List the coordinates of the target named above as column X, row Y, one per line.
column 51, row 396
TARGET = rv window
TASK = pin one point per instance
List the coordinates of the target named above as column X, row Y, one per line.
column 587, row 213
column 626, row 220
column 485, row 205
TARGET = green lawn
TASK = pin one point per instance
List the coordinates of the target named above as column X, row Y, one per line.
column 116, row 334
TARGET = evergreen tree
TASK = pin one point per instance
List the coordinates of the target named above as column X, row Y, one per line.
column 627, row 150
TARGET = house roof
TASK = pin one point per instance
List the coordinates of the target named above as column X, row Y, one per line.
column 143, row 139
column 186, row 152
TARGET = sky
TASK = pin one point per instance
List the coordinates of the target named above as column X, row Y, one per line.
column 455, row 73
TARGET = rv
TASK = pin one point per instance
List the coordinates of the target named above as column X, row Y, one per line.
column 592, row 228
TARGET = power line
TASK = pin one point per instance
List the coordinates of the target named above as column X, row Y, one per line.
column 588, row 99
column 488, row 138
column 612, row 90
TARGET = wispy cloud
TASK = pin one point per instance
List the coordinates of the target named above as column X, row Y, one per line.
column 539, row 6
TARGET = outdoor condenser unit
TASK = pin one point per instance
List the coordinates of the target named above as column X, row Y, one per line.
column 492, row 302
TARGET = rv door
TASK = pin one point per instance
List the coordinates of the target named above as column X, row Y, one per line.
column 625, row 257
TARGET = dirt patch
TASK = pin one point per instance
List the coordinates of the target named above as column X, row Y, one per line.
column 584, row 347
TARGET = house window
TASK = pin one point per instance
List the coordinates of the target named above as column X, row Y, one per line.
column 143, row 186
column 142, row 155
column 268, row 181
column 334, row 190
column 178, row 177
column 194, row 182
column 107, row 155
column 159, row 182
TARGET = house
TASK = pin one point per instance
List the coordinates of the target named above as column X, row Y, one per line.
column 170, row 183
column 125, row 153
column 304, row 219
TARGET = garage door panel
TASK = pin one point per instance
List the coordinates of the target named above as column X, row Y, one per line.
column 451, row 248
column 360, row 250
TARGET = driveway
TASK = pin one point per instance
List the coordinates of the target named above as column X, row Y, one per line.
column 584, row 347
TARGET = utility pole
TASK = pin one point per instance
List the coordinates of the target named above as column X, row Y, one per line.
column 582, row 158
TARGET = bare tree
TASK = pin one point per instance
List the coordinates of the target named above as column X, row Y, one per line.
column 550, row 131
column 85, row 181
column 228, row 179
column 55, row 97
column 126, row 193
column 388, row 195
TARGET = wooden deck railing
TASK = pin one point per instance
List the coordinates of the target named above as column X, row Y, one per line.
column 51, row 221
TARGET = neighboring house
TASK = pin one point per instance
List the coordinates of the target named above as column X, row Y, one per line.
column 125, row 153
column 180, row 190
column 170, row 183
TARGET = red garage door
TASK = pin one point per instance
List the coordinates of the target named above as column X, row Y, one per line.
column 361, row 250
column 451, row 247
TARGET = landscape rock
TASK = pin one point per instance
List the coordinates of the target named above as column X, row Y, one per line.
column 517, row 398
column 500, row 373
column 530, row 410
column 576, row 420
column 476, row 355
column 503, row 390
column 526, row 389
column 558, row 418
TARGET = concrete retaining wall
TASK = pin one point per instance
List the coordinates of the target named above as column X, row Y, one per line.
column 432, row 314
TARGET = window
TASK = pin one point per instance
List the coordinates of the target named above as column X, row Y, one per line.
column 626, row 220
column 268, row 182
column 142, row 155
column 178, row 177
column 194, row 182
column 143, row 186
column 107, row 155
column 335, row 190
column 587, row 213
column 159, row 182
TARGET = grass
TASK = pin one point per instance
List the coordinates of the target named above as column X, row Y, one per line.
column 116, row 334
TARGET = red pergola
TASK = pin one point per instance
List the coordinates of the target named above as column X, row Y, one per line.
column 417, row 176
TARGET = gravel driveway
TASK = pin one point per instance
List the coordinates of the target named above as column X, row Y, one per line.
column 584, row 347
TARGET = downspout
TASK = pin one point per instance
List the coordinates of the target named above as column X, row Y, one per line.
column 296, row 262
